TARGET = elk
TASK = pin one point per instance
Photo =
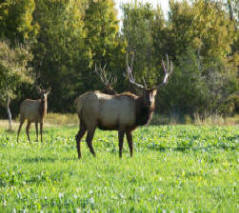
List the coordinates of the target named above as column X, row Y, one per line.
column 123, row 112
column 33, row 111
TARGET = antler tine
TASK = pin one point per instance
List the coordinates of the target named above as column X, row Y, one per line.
column 113, row 80
column 129, row 73
column 104, row 75
column 169, row 66
column 167, row 70
column 104, row 78
column 132, row 61
column 145, row 84
column 100, row 74
column 167, row 61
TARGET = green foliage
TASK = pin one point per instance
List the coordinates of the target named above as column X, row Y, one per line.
column 101, row 26
column 199, row 38
column 61, row 57
column 13, row 69
column 230, row 105
column 16, row 20
column 213, row 28
column 67, row 38
column 103, row 40
column 187, row 83
column 174, row 168
column 137, row 31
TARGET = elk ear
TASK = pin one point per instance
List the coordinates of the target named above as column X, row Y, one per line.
column 154, row 92
column 48, row 91
column 39, row 90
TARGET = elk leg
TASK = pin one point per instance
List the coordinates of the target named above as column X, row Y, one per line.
column 41, row 126
column 19, row 129
column 79, row 136
column 121, row 141
column 130, row 142
column 27, row 130
column 36, row 126
column 89, row 138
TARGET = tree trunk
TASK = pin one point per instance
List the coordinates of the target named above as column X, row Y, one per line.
column 9, row 112
column 230, row 9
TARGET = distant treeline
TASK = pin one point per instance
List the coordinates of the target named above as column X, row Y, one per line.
column 57, row 43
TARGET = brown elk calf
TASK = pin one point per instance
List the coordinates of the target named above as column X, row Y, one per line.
column 122, row 112
column 33, row 111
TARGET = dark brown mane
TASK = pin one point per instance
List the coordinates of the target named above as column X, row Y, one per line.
column 42, row 108
column 109, row 90
column 143, row 112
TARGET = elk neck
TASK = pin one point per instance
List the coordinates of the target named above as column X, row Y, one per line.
column 143, row 111
column 109, row 90
column 43, row 107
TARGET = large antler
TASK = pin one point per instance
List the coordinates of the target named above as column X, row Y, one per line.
column 106, row 80
column 129, row 73
column 167, row 70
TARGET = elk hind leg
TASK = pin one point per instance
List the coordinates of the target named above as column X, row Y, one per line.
column 130, row 142
column 90, row 135
column 121, row 141
column 19, row 129
column 36, row 126
column 27, row 130
column 78, row 137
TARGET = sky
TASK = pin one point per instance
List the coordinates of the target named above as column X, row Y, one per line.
column 163, row 3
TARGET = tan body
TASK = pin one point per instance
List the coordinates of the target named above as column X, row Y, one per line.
column 33, row 111
column 122, row 112
column 28, row 109
column 107, row 111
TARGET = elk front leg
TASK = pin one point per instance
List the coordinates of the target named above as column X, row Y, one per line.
column 27, row 130
column 121, row 141
column 36, row 126
column 78, row 139
column 41, row 126
column 130, row 142
column 89, row 138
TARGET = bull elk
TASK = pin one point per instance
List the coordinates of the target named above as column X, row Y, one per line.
column 33, row 111
column 122, row 112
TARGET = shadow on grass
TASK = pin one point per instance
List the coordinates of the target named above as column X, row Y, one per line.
column 192, row 148
column 10, row 131
column 47, row 159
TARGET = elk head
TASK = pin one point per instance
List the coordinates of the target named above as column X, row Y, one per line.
column 43, row 93
column 149, row 94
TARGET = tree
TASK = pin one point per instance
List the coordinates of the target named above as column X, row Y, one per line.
column 16, row 20
column 60, row 54
column 137, row 30
column 198, row 39
column 102, row 38
column 13, row 72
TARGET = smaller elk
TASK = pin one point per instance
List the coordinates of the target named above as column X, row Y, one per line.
column 122, row 112
column 33, row 111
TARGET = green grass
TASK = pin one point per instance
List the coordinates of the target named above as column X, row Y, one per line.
column 174, row 169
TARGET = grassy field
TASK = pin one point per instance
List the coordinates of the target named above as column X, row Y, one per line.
column 174, row 169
